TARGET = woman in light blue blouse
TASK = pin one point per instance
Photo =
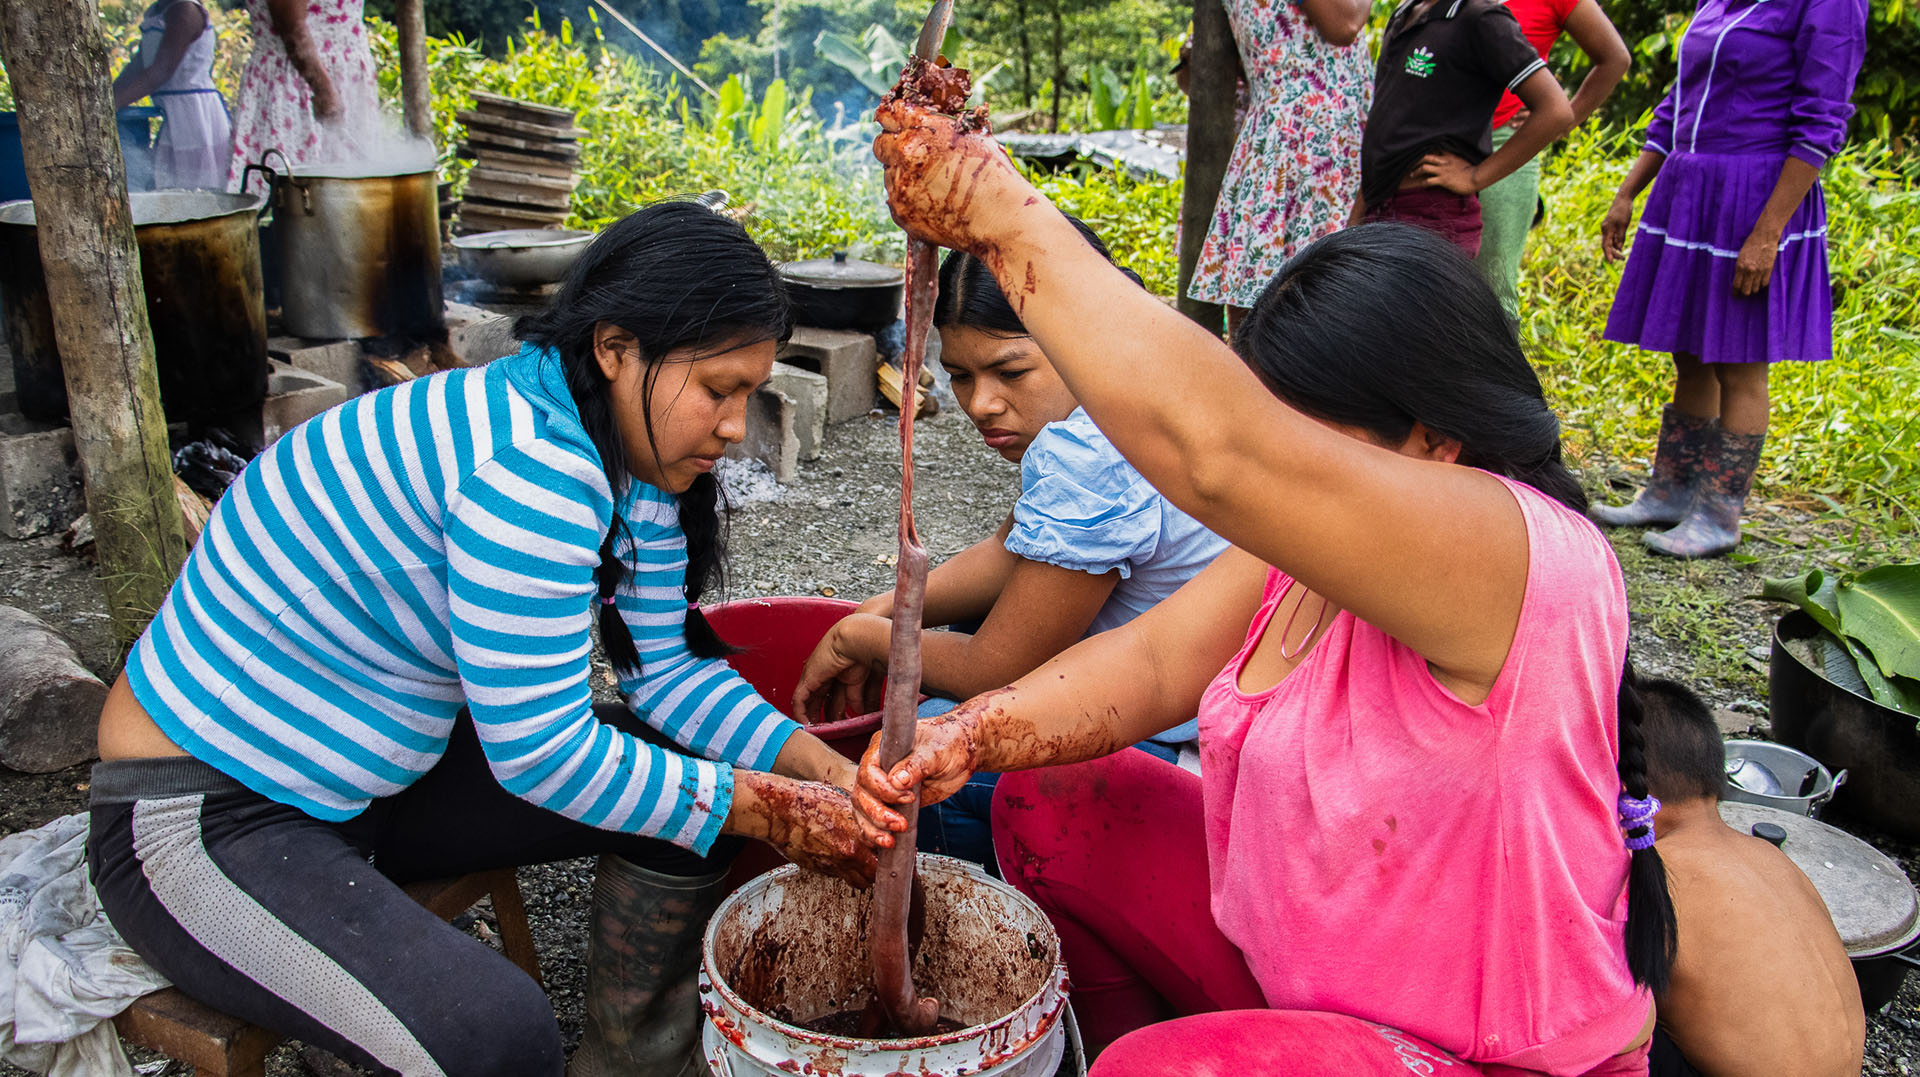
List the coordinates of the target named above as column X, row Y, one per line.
column 1088, row 546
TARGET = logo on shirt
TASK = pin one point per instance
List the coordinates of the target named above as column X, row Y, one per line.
column 1420, row 62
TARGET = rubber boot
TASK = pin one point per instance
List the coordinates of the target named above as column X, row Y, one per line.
column 1685, row 441
column 643, row 968
column 1712, row 526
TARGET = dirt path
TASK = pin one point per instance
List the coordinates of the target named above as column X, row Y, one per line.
column 831, row 532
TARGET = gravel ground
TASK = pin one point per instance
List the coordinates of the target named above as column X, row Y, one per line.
column 828, row 532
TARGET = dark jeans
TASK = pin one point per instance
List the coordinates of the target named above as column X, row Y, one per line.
column 299, row 925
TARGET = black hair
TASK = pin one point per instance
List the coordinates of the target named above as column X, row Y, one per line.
column 675, row 275
column 1381, row 326
column 971, row 298
column 1686, row 757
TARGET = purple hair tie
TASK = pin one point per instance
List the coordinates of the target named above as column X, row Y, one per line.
column 606, row 600
column 1637, row 815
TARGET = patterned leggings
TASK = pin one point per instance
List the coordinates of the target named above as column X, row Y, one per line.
column 300, row 926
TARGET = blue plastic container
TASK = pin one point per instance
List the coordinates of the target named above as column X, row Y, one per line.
column 136, row 145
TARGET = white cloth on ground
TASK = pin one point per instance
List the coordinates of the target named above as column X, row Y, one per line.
column 64, row 970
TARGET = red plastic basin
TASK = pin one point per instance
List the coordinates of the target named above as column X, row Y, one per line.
column 775, row 636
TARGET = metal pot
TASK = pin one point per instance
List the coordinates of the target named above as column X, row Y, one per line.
column 1874, row 907
column 200, row 262
column 1776, row 776
column 844, row 293
column 359, row 255
column 523, row 257
column 1876, row 744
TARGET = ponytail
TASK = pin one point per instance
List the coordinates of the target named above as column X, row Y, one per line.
column 1653, row 934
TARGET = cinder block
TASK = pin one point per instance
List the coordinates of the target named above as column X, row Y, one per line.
column 771, row 438
column 808, row 391
column 477, row 337
column 338, row 361
column 40, row 488
column 294, row 396
column 846, row 359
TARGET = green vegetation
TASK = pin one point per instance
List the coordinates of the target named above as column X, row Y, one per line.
column 1871, row 629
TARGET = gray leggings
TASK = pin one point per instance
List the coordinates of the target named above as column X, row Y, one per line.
column 300, row 926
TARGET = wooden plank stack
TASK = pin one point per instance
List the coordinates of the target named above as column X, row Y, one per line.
column 523, row 156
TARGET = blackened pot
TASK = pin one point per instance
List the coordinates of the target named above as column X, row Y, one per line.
column 843, row 293
column 1877, row 746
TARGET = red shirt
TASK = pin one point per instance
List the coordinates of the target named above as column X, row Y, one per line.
column 1541, row 21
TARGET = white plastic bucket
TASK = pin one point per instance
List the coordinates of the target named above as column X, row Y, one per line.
column 790, row 947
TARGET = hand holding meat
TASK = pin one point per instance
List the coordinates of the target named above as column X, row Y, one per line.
column 945, row 174
column 943, row 758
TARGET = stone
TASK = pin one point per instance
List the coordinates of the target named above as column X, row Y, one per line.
column 337, row 361
column 848, row 361
column 294, row 396
column 476, row 337
column 49, row 702
column 40, row 487
column 1735, row 724
column 809, row 393
column 771, row 437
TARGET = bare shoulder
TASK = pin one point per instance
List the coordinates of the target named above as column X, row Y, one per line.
column 1750, row 921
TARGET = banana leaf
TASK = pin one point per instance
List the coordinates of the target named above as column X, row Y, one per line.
column 1875, row 616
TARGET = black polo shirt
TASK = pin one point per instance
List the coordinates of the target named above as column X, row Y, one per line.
column 1440, row 76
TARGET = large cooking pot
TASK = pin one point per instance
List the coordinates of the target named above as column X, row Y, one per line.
column 359, row 254
column 200, row 262
column 844, row 293
column 1874, row 907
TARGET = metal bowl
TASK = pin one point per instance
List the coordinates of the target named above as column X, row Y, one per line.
column 522, row 257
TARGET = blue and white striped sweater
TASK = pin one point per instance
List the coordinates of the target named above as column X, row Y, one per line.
column 428, row 546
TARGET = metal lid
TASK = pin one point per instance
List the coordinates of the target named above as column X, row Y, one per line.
column 158, row 207
column 1874, row 905
column 842, row 272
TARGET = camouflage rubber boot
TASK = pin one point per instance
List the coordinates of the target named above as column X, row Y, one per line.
column 1685, row 442
column 1712, row 526
column 643, row 968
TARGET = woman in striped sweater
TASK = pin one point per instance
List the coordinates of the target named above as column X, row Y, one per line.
column 374, row 668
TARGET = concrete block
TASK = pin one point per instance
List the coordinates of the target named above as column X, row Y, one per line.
column 294, row 396
column 40, row 488
column 338, row 361
column 771, row 437
column 846, row 359
column 809, row 393
column 477, row 337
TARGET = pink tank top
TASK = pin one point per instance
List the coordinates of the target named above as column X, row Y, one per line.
column 1381, row 849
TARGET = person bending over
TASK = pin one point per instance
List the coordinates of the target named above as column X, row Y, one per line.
column 1761, row 982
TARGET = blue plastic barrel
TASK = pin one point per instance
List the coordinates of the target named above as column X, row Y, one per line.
column 136, row 145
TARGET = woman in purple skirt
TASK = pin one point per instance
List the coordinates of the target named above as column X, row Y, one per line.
column 1729, row 266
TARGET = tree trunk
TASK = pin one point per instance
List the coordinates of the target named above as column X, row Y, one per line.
column 57, row 60
column 49, row 702
column 1059, row 61
column 416, row 95
column 1211, row 69
column 1026, row 54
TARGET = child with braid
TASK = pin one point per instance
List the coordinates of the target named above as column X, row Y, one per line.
column 1750, row 923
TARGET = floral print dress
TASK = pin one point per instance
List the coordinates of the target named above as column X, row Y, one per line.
column 274, row 106
column 1296, row 164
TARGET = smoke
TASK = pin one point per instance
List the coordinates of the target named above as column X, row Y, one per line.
column 366, row 140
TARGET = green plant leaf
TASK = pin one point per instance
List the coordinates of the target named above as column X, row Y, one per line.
column 1106, row 110
column 1880, row 608
column 1899, row 693
column 1142, row 99
column 1813, row 592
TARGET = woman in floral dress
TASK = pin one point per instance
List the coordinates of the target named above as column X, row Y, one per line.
column 1296, row 164
column 308, row 83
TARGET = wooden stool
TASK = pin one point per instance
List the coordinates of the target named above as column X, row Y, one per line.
column 219, row 1045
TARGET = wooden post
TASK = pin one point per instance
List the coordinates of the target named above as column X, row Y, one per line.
column 57, row 59
column 416, row 95
column 1210, row 134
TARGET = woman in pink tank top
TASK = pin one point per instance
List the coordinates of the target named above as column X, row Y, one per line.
column 1423, row 842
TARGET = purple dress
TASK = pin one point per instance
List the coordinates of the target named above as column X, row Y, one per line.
column 1759, row 80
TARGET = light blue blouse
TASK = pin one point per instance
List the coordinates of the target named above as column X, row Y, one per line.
column 1083, row 507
